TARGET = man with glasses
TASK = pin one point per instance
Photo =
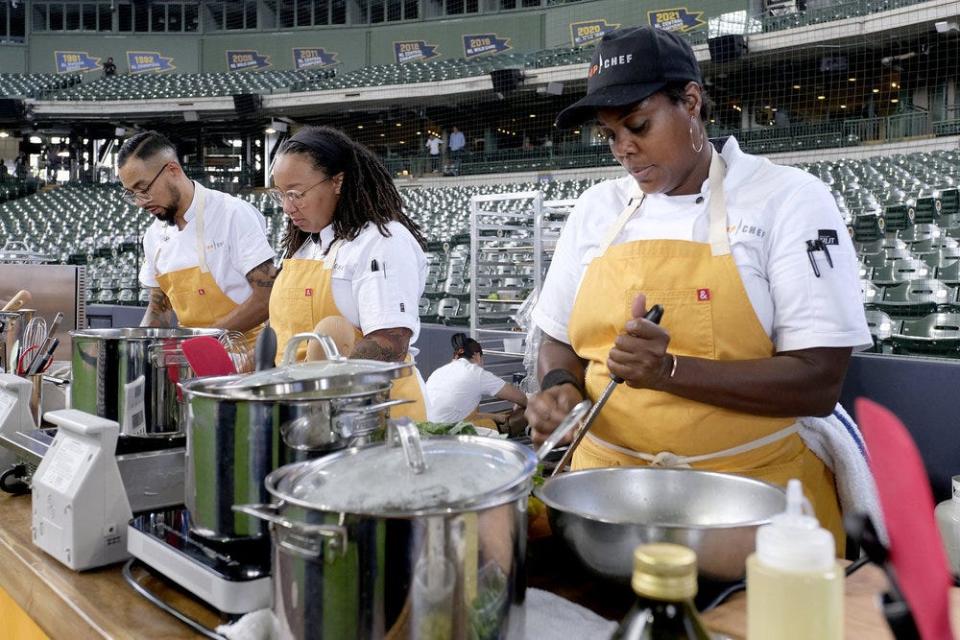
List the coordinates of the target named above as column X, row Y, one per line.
column 206, row 256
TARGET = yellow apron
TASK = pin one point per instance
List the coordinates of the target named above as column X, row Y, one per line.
column 194, row 295
column 708, row 315
column 303, row 296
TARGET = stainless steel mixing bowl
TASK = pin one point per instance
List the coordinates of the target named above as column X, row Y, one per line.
column 603, row 514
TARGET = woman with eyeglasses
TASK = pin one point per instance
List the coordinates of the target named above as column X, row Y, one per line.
column 349, row 251
column 207, row 261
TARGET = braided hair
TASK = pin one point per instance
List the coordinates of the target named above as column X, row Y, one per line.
column 367, row 194
column 465, row 347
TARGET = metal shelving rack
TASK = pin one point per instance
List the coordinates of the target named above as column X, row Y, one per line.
column 512, row 237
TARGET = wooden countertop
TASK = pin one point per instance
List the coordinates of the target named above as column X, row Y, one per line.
column 100, row 604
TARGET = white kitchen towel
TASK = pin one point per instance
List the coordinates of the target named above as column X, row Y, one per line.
column 837, row 441
column 256, row 625
column 550, row 617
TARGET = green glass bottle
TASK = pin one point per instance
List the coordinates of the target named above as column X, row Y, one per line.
column 665, row 581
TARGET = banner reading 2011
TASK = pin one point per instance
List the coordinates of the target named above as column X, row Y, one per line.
column 304, row 58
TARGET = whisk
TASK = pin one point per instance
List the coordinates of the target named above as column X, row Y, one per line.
column 234, row 343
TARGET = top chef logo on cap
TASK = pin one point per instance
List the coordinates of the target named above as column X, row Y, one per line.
column 612, row 61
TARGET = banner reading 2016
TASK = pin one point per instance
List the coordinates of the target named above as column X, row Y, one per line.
column 413, row 51
column 589, row 31
column 246, row 60
column 479, row 44
column 144, row 61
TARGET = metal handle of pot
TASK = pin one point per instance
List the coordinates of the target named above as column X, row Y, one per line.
column 405, row 431
column 373, row 408
column 345, row 422
column 163, row 356
column 326, row 343
column 335, row 535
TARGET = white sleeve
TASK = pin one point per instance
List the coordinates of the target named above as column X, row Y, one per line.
column 389, row 297
column 488, row 383
column 148, row 270
column 249, row 246
column 811, row 311
column 552, row 313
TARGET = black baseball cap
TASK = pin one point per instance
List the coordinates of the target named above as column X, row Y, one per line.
column 630, row 65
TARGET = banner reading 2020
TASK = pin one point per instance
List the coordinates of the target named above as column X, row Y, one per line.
column 307, row 58
column 70, row 61
column 246, row 59
column 589, row 31
column 144, row 61
column 479, row 44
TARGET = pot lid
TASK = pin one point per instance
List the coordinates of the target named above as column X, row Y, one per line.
column 145, row 333
column 324, row 378
column 460, row 473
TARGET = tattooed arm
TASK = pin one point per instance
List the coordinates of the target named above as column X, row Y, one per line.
column 388, row 345
column 159, row 310
column 254, row 309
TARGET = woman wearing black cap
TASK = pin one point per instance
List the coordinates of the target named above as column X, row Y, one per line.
column 350, row 251
column 756, row 331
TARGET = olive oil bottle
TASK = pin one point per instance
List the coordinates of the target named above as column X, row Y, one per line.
column 665, row 581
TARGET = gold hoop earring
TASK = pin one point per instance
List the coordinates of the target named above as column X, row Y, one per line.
column 702, row 137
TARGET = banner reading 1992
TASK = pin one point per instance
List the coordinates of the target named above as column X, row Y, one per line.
column 482, row 43
column 144, row 61
column 246, row 59
column 589, row 31
column 304, row 58
column 70, row 61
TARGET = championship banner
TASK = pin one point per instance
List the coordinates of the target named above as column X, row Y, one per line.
column 589, row 31
column 71, row 61
column 318, row 57
column 246, row 59
column 145, row 61
column 676, row 19
column 413, row 51
column 479, row 44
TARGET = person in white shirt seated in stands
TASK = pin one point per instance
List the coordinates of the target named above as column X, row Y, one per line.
column 456, row 388
column 206, row 256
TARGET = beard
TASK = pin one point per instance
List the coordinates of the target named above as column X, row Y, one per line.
column 168, row 215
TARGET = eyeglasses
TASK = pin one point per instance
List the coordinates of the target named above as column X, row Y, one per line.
column 133, row 197
column 295, row 197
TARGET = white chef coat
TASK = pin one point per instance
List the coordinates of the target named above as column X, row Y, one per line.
column 455, row 390
column 375, row 299
column 772, row 211
column 236, row 242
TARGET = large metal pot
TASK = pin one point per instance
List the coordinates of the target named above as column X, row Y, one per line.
column 242, row 427
column 131, row 375
column 425, row 540
column 604, row 514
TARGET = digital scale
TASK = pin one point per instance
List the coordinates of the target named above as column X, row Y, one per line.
column 99, row 498
column 151, row 469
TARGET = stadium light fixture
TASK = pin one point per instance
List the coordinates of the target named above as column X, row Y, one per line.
column 876, row 90
column 4, row 134
column 270, row 130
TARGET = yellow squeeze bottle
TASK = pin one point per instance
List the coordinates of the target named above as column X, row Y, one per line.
column 794, row 582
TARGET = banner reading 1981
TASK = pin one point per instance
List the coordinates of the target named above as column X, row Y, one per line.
column 304, row 58
column 589, row 31
column 246, row 59
column 144, row 61
column 479, row 44
column 70, row 61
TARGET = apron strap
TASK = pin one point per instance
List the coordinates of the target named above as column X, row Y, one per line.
column 330, row 259
column 670, row 459
column 719, row 240
column 201, row 251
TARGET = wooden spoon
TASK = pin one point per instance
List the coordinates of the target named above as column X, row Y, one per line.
column 340, row 329
column 23, row 297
